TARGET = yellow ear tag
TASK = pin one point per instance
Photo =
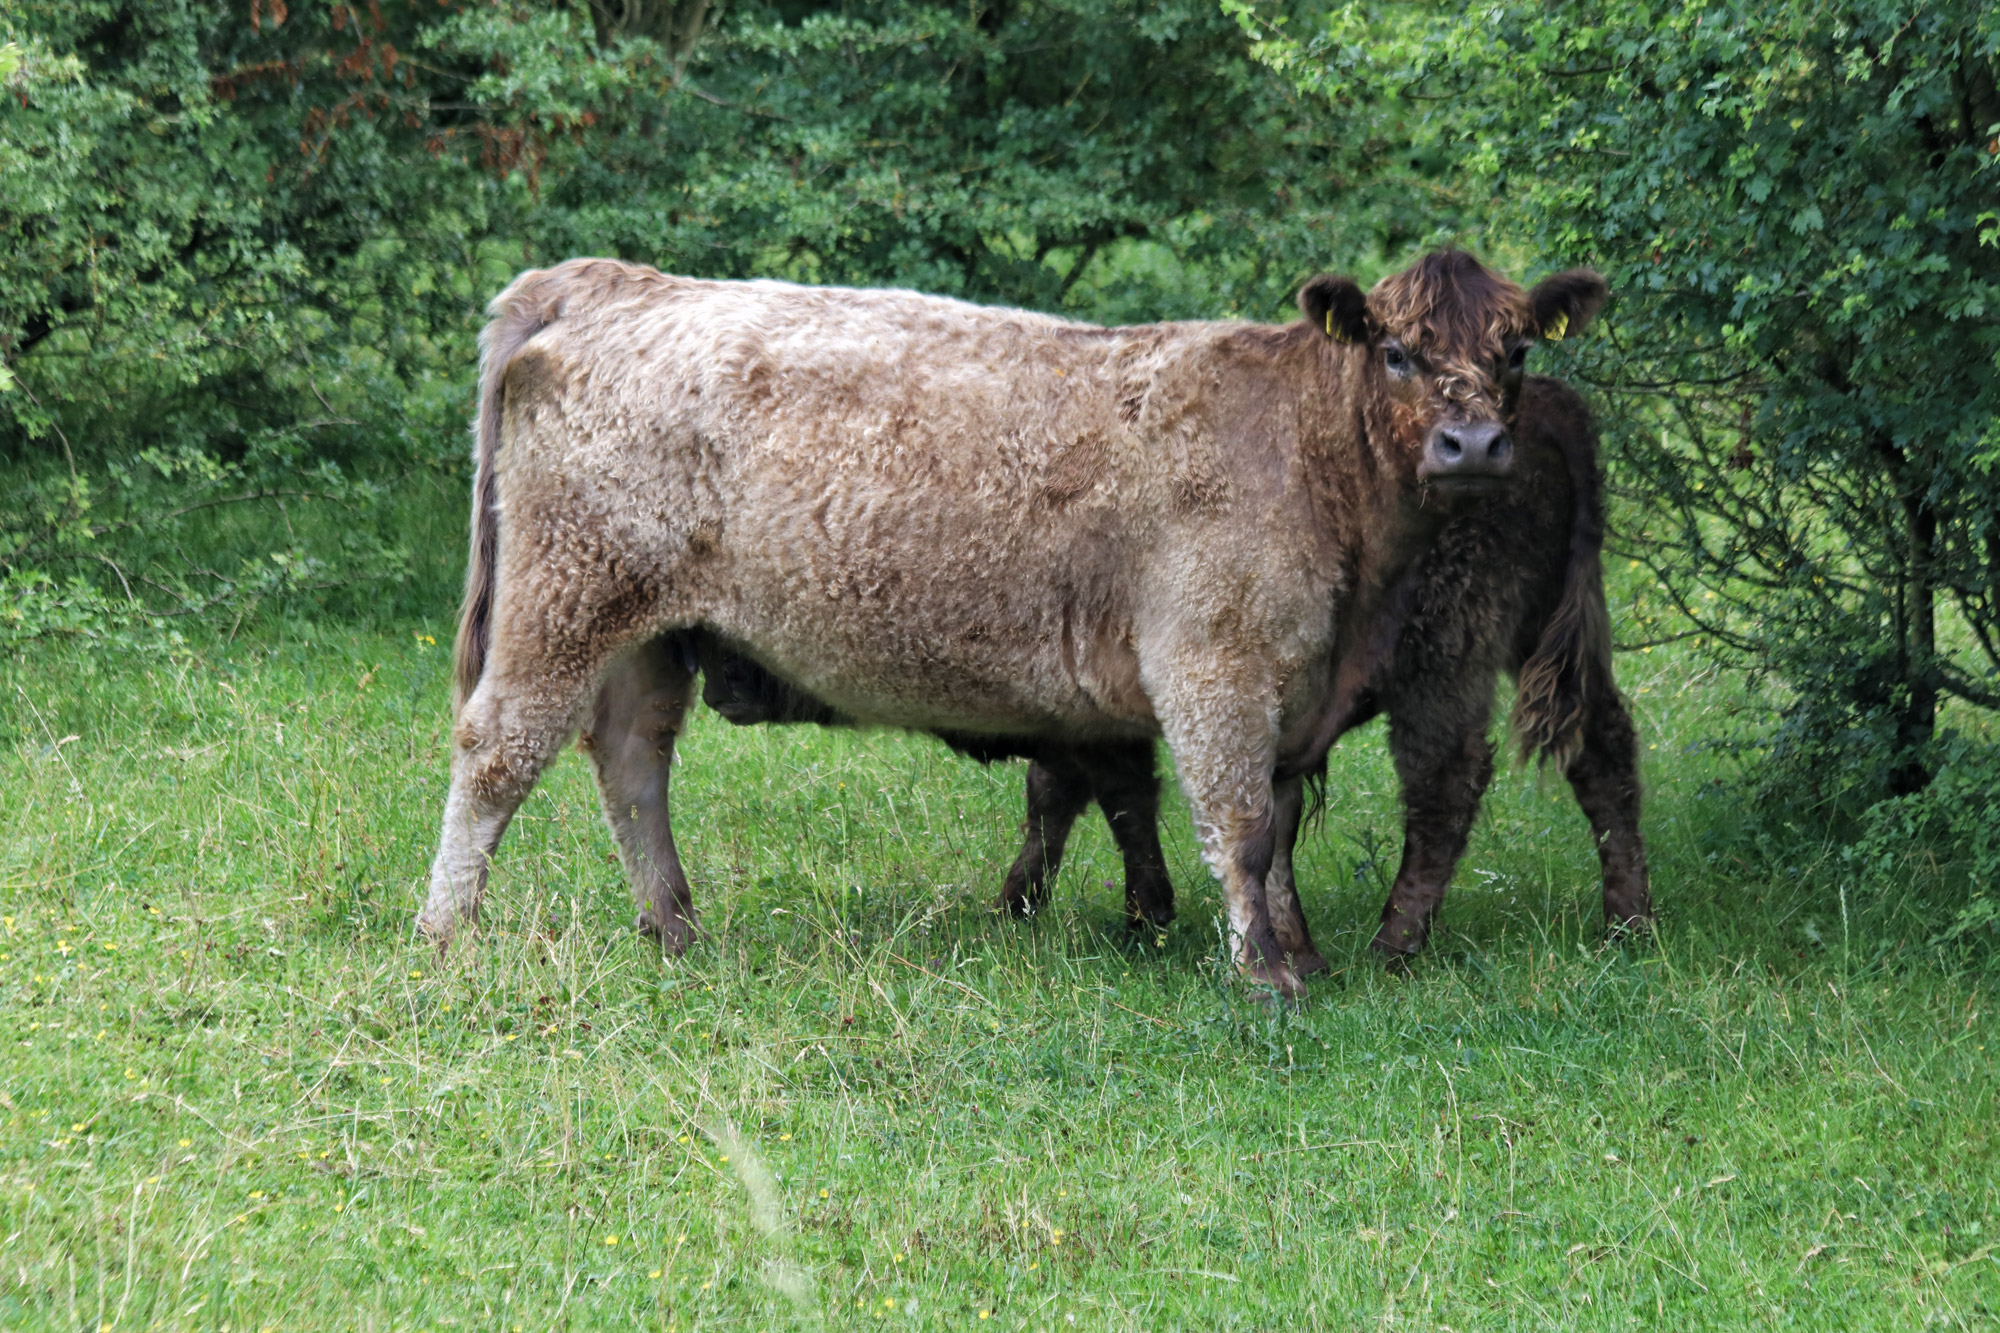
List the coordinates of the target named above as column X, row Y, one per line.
column 1555, row 331
column 1338, row 335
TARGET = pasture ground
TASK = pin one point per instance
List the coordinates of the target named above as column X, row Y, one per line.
column 234, row 1094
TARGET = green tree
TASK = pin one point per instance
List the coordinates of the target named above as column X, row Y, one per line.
column 226, row 299
column 1112, row 158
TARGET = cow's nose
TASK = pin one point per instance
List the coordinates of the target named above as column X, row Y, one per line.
column 1468, row 451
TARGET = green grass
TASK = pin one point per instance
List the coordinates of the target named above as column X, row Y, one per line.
column 237, row 1095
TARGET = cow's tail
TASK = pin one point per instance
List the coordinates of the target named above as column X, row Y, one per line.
column 1571, row 663
column 529, row 305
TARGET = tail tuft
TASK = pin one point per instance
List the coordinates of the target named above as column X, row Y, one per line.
column 1572, row 659
column 1569, row 664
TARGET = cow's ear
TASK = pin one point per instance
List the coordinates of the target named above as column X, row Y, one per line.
column 1565, row 302
column 1337, row 308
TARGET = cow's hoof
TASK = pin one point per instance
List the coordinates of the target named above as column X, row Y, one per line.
column 672, row 934
column 1276, row 979
column 1149, row 906
column 1628, row 929
column 1307, row 963
column 1148, row 925
column 1396, row 961
column 1021, row 902
column 1399, row 940
column 437, row 930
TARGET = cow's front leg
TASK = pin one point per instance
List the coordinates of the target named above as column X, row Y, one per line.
column 1281, row 890
column 630, row 740
column 1241, row 842
column 1127, row 788
column 1223, row 746
column 1058, row 791
column 1605, row 778
column 1445, row 763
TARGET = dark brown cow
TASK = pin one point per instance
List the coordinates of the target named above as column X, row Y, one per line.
column 1514, row 585
column 961, row 520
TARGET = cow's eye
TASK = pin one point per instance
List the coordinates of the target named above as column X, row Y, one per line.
column 1395, row 358
column 1518, row 357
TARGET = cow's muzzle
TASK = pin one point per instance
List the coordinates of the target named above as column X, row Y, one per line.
column 1471, row 454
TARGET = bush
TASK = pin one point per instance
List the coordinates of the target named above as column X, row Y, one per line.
column 1946, row 836
column 230, row 308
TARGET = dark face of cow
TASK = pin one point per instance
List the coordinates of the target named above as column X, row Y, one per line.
column 1450, row 340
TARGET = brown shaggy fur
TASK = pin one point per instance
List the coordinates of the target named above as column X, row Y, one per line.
column 1571, row 664
column 1459, row 315
column 1514, row 587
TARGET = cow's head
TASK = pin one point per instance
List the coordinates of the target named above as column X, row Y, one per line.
column 1450, row 339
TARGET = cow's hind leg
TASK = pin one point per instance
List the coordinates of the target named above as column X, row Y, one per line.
column 515, row 721
column 1127, row 788
column 1445, row 763
column 1058, row 791
column 1281, row 890
column 1605, row 778
column 630, row 740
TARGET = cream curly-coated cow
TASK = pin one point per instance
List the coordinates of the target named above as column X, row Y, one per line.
column 934, row 515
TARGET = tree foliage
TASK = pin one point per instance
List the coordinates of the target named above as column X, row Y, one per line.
column 1006, row 151
column 227, row 300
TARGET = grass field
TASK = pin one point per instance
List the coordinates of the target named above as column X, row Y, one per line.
column 238, row 1096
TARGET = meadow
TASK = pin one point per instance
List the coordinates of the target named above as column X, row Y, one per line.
column 236, row 1094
